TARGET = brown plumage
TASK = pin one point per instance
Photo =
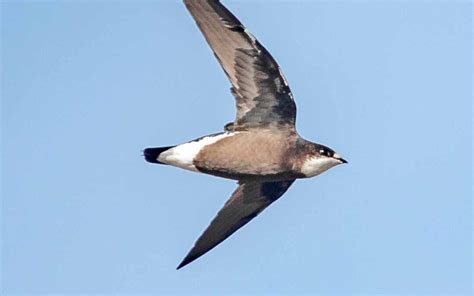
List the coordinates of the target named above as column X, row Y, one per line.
column 255, row 153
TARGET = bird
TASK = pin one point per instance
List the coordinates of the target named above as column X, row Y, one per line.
column 261, row 148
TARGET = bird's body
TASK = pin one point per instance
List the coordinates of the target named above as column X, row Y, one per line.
column 236, row 155
column 257, row 154
column 261, row 148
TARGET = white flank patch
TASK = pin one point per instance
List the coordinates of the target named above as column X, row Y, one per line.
column 317, row 165
column 183, row 155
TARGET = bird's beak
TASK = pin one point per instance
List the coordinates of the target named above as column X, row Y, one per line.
column 338, row 157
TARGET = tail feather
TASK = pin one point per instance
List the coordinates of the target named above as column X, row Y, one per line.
column 152, row 154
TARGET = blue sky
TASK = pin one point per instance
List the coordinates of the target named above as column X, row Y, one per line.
column 87, row 85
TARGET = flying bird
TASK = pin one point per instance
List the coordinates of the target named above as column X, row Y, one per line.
column 261, row 148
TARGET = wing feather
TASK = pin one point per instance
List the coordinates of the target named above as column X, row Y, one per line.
column 247, row 201
column 262, row 94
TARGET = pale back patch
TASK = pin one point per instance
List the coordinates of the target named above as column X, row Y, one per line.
column 317, row 165
column 183, row 155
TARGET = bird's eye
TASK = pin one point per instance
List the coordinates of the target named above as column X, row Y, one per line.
column 325, row 152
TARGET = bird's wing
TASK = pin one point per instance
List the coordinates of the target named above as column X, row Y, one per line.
column 262, row 94
column 247, row 201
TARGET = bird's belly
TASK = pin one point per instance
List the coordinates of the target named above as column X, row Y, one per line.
column 243, row 156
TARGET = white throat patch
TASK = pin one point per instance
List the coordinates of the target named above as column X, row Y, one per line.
column 317, row 165
column 182, row 156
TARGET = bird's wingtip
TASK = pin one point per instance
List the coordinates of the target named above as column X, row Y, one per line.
column 183, row 263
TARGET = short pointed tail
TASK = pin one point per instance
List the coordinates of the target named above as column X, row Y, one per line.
column 152, row 154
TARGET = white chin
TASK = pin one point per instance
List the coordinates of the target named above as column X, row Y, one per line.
column 317, row 165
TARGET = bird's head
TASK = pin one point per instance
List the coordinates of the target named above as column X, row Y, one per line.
column 319, row 159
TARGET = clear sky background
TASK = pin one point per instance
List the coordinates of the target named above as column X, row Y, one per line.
column 87, row 85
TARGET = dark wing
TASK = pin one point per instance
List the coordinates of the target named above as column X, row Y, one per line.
column 262, row 94
column 247, row 201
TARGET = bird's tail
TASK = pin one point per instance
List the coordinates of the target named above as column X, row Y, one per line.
column 152, row 154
